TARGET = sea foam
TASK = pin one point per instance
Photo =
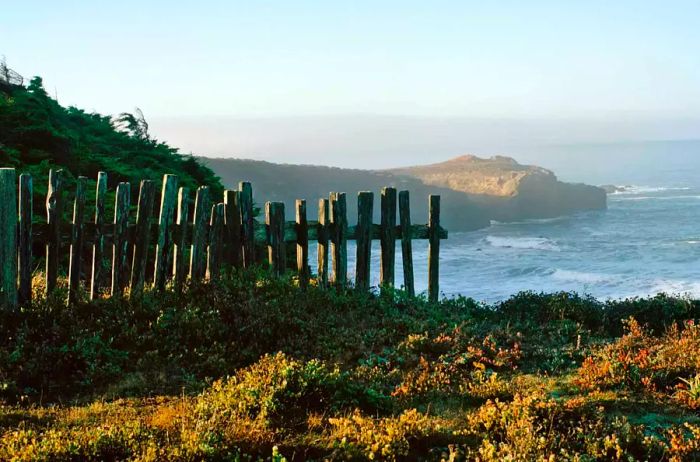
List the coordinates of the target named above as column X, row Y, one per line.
column 526, row 243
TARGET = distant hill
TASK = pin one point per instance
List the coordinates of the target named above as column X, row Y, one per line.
column 37, row 134
column 509, row 190
column 474, row 191
column 286, row 183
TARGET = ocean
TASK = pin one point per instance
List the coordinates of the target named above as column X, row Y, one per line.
column 646, row 242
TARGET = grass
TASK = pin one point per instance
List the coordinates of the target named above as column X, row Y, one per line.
column 254, row 368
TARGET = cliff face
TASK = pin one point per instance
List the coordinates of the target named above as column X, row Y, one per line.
column 286, row 183
column 498, row 176
column 474, row 191
column 508, row 190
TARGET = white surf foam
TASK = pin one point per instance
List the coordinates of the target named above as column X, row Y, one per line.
column 656, row 198
column 530, row 221
column 636, row 189
column 580, row 277
column 525, row 243
column 675, row 287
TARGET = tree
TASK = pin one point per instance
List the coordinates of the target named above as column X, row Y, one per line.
column 135, row 125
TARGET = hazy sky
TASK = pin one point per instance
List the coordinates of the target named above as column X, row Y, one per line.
column 596, row 64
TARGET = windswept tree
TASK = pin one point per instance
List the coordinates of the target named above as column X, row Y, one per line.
column 133, row 124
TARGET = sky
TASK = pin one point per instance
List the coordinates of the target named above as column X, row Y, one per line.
column 337, row 82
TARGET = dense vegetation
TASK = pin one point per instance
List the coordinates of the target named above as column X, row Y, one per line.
column 255, row 367
column 37, row 134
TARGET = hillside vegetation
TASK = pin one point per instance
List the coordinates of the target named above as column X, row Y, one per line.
column 37, row 134
column 255, row 368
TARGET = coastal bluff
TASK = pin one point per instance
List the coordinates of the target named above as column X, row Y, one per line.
column 474, row 191
column 507, row 189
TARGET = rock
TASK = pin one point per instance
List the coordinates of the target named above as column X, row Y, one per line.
column 613, row 189
column 474, row 191
column 508, row 190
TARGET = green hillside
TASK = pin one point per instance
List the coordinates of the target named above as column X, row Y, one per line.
column 37, row 134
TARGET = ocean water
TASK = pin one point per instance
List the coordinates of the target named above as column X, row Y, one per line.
column 646, row 242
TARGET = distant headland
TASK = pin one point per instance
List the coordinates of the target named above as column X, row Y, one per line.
column 475, row 190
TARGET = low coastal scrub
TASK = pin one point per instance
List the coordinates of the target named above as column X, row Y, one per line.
column 254, row 368
column 667, row 366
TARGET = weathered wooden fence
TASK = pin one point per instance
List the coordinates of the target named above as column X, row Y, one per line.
column 169, row 248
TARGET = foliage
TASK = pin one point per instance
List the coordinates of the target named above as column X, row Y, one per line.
column 641, row 361
column 253, row 367
column 37, row 134
column 275, row 394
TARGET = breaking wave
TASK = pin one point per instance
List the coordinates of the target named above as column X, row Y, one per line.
column 526, row 243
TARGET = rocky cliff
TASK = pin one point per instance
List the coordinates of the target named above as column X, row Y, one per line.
column 285, row 183
column 508, row 190
column 474, row 191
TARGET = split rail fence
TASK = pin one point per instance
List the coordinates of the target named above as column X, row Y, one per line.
column 220, row 235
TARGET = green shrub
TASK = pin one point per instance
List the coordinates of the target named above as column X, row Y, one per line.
column 276, row 392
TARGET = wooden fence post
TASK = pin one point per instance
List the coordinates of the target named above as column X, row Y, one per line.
column 216, row 241
column 76, row 242
column 274, row 219
column 166, row 222
column 365, row 206
column 142, row 236
column 179, row 258
column 434, row 249
column 339, row 243
column 406, row 246
column 247, row 223
column 302, row 228
column 8, row 238
column 120, row 243
column 388, row 237
column 322, row 237
column 198, row 255
column 232, row 214
column 54, row 216
column 26, row 203
column 98, row 270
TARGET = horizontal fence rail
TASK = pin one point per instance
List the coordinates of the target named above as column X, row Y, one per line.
column 108, row 256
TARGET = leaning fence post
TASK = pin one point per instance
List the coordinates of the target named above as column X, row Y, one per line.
column 97, row 278
column 322, row 237
column 302, row 229
column 198, row 255
column 274, row 219
column 339, row 243
column 365, row 204
column 406, row 246
column 179, row 258
column 142, row 236
column 8, row 237
column 434, row 248
column 388, row 237
column 216, row 241
column 120, row 243
column 25, row 237
column 54, row 216
column 76, row 241
column 166, row 222
column 232, row 214
column 247, row 223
